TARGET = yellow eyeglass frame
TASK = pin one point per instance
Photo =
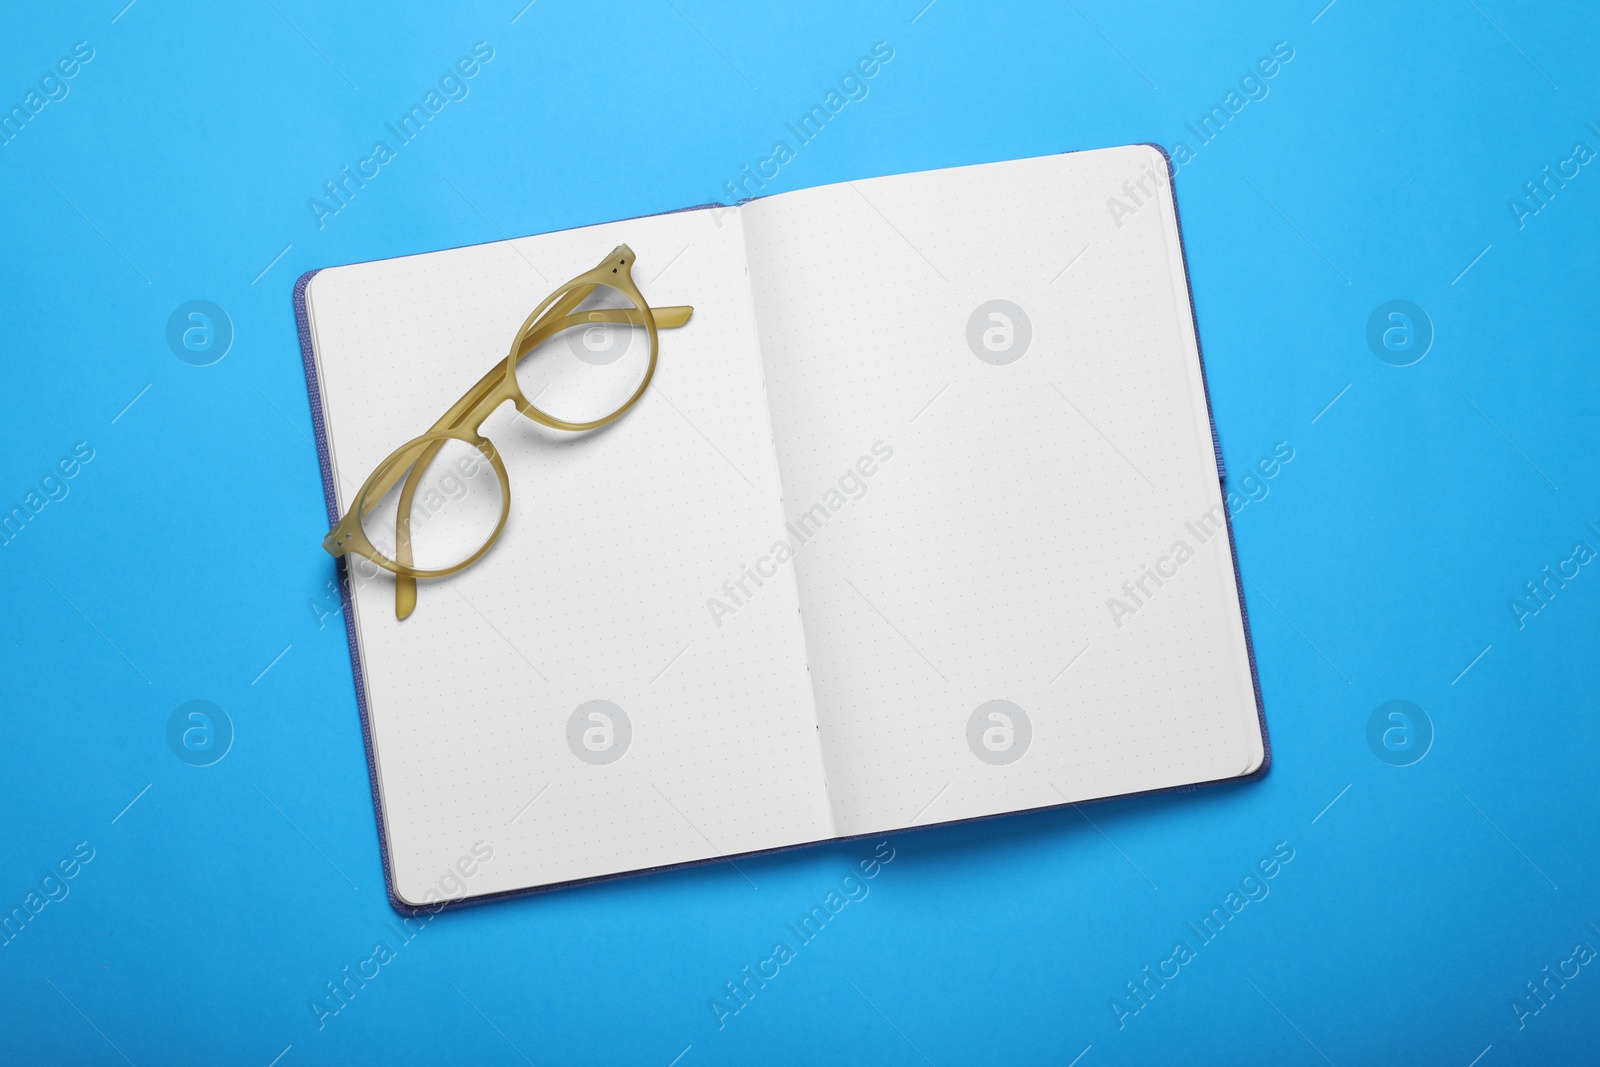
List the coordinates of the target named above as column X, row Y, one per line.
column 464, row 421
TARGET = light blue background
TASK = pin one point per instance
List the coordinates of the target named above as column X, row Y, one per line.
column 1380, row 565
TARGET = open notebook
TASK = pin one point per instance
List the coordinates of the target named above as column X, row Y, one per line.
column 920, row 521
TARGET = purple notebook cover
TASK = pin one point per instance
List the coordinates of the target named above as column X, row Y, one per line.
column 314, row 392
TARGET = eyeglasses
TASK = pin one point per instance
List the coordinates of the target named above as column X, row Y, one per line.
column 449, row 489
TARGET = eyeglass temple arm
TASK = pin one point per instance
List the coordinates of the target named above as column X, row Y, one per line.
column 466, row 409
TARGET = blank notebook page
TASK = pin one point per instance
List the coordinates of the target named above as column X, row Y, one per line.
column 597, row 588
column 1020, row 496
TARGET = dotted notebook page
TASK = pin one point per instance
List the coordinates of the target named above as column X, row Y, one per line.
column 569, row 703
column 1020, row 370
